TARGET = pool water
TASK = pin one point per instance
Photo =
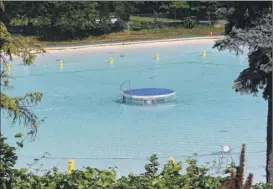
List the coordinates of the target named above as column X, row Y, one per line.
column 84, row 121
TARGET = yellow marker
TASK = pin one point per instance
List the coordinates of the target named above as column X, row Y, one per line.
column 71, row 166
column 171, row 159
column 111, row 60
column 8, row 68
column 204, row 53
column 61, row 64
column 157, row 56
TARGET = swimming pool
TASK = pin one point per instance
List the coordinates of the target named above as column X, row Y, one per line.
column 84, row 121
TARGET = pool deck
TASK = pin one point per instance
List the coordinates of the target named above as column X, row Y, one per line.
column 132, row 42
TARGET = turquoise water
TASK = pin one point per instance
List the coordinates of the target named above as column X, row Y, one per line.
column 84, row 121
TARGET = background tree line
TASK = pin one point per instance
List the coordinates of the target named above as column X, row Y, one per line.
column 71, row 20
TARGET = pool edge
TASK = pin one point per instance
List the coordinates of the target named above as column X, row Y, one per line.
column 132, row 43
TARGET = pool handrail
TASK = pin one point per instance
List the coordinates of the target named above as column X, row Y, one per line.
column 121, row 86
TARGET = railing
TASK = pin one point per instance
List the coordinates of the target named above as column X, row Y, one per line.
column 121, row 86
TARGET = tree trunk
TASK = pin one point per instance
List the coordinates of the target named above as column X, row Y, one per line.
column 269, row 154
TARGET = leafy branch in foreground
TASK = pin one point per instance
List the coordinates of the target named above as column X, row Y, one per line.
column 259, row 42
column 170, row 177
column 18, row 108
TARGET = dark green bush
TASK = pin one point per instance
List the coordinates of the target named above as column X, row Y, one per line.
column 190, row 23
column 145, row 25
column 141, row 25
column 170, row 177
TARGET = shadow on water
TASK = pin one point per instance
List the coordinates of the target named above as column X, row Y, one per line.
column 167, row 104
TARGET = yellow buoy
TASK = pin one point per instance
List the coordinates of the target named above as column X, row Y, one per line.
column 171, row 159
column 157, row 56
column 204, row 53
column 61, row 64
column 71, row 166
column 8, row 68
column 111, row 60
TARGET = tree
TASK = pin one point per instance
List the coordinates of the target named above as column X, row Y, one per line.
column 244, row 14
column 179, row 6
column 17, row 108
column 253, row 29
column 211, row 11
column 67, row 20
column 123, row 9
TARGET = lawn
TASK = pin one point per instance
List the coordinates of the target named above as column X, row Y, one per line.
column 143, row 34
column 151, row 19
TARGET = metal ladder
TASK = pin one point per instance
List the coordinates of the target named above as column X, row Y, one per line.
column 126, row 81
column 121, row 89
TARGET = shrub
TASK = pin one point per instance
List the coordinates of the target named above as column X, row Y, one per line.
column 170, row 177
column 190, row 23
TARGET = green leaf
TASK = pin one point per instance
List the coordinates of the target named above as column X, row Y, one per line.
column 80, row 186
column 4, row 186
column 20, row 144
column 23, row 170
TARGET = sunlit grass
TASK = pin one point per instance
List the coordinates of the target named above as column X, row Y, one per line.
column 143, row 34
column 151, row 19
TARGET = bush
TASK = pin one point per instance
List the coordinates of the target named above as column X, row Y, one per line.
column 262, row 186
column 118, row 26
column 144, row 25
column 92, row 178
column 190, row 23
column 141, row 25
column 170, row 177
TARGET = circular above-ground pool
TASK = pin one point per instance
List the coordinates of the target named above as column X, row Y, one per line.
column 147, row 96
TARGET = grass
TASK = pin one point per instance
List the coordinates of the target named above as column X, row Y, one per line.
column 151, row 19
column 133, row 35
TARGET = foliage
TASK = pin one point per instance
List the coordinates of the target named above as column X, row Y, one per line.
column 17, row 108
column 123, row 10
column 245, row 14
column 71, row 20
column 138, row 25
column 7, row 161
column 60, row 20
column 259, row 42
column 250, row 26
column 190, row 23
column 262, row 186
column 169, row 177
column 183, row 9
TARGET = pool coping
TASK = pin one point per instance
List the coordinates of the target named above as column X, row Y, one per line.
column 108, row 44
